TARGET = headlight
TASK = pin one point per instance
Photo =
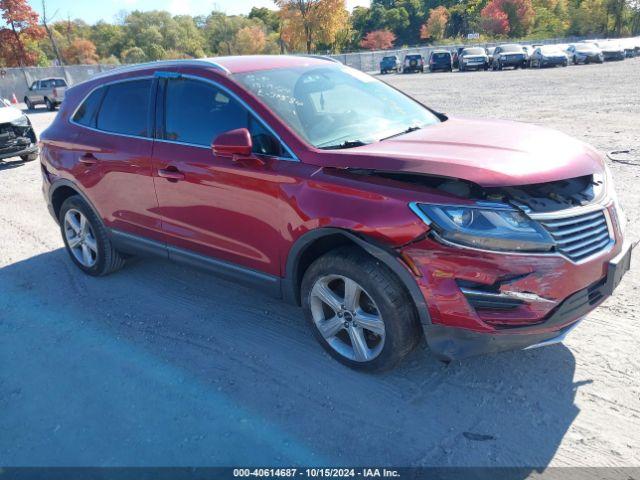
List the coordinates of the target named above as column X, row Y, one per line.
column 613, row 197
column 23, row 121
column 499, row 228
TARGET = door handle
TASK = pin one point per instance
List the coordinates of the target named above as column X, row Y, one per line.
column 171, row 173
column 88, row 159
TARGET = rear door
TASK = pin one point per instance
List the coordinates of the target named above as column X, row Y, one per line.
column 113, row 147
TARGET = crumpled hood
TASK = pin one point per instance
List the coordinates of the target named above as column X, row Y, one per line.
column 9, row 114
column 486, row 152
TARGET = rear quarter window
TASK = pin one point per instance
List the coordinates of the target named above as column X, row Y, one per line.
column 86, row 113
column 125, row 108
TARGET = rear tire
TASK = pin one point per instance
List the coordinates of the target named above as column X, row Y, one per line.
column 50, row 105
column 390, row 328
column 86, row 239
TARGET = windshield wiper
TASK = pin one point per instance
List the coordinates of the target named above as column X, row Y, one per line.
column 345, row 144
column 408, row 130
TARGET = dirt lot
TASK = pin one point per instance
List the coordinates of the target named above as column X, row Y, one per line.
column 162, row 365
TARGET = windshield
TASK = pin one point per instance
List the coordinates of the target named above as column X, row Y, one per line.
column 473, row 51
column 390, row 59
column 442, row 55
column 511, row 48
column 336, row 107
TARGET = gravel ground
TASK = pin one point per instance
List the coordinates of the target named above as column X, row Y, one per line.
column 163, row 365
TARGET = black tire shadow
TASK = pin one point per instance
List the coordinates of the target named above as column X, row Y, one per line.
column 164, row 365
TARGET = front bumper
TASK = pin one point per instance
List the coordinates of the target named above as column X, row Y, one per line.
column 552, row 62
column 17, row 151
column 541, row 296
column 613, row 55
column 17, row 140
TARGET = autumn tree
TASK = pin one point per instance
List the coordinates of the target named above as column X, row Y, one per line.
column 378, row 40
column 80, row 52
column 436, row 25
column 250, row 40
column 306, row 23
column 514, row 18
column 20, row 31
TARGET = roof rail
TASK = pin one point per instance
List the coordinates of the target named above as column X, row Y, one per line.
column 206, row 62
column 319, row 57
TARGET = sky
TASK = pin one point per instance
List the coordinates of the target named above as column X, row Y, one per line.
column 93, row 10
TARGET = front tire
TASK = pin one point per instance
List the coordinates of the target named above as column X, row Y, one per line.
column 86, row 239
column 358, row 310
column 28, row 103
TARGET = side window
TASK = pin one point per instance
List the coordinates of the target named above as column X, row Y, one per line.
column 197, row 112
column 125, row 108
column 86, row 114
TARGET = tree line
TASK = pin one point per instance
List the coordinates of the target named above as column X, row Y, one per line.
column 325, row 26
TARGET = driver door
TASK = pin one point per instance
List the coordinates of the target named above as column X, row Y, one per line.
column 210, row 205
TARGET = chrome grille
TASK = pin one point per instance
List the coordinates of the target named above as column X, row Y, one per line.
column 579, row 236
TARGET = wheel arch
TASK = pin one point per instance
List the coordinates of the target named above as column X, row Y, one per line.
column 316, row 243
column 63, row 189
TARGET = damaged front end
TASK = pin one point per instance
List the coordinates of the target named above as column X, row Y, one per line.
column 515, row 266
column 17, row 138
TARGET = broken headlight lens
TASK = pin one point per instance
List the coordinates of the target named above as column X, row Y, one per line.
column 499, row 228
column 22, row 121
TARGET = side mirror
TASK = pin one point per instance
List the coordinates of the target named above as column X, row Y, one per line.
column 232, row 143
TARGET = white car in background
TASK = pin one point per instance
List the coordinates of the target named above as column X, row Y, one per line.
column 17, row 137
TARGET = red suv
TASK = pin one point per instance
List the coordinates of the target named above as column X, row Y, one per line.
column 383, row 219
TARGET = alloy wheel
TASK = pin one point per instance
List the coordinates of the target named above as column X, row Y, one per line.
column 347, row 318
column 80, row 238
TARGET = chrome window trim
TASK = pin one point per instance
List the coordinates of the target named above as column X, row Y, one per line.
column 294, row 157
column 103, row 85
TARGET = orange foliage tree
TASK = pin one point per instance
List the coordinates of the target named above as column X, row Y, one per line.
column 305, row 23
column 378, row 40
column 508, row 17
column 80, row 52
column 21, row 29
column 435, row 26
column 250, row 40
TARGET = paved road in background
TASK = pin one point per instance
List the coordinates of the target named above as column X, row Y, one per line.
column 164, row 365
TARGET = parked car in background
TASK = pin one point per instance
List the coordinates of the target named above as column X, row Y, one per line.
column 509, row 55
column 413, row 63
column 440, row 60
column 17, row 137
column 384, row 220
column 389, row 64
column 455, row 56
column 528, row 51
column 584, row 53
column 490, row 51
column 48, row 91
column 629, row 45
column 612, row 50
column 473, row 58
column 548, row 56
